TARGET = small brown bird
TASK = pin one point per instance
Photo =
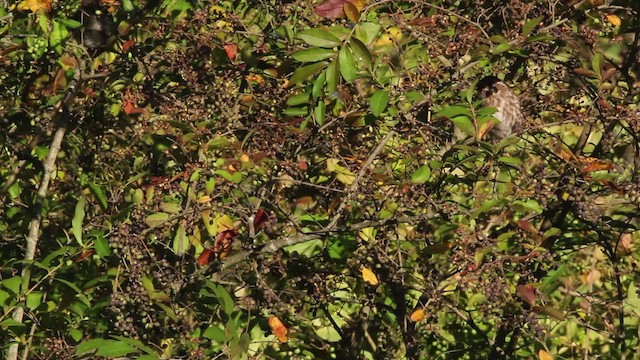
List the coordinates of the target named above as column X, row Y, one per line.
column 499, row 95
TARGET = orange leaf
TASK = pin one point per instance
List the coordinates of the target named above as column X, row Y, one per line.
column 369, row 276
column 597, row 166
column 278, row 329
column 231, row 50
column 417, row 315
column 543, row 355
column 35, row 5
column 351, row 11
column 614, row 19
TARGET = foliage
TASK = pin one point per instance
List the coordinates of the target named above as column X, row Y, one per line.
column 281, row 179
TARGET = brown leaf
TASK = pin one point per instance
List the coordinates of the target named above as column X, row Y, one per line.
column 526, row 293
column 331, row 9
column 585, row 72
column 597, row 166
column 223, row 243
column 351, row 11
column 548, row 310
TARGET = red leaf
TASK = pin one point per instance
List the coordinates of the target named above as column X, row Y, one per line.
column 223, row 242
column 231, row 50
column 205, row 257
column 526, row 293
column 130, row 109
column 85, row 254
column 331, row 9
column 261, row 219
column 128, row 44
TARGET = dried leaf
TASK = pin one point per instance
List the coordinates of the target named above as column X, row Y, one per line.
column 368, row 276
column 484, row 129
column 417, row 315
column 223, row 243
column 278, row 329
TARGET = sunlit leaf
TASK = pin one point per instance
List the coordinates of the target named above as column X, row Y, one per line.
column 156, row 219
column 614, row 19
column 379, row 101
column 347, row 64
column 319, row 37
column 313, row 54
column 35, row 5
column 369, row 276
column 78, row 218
column 421, row 175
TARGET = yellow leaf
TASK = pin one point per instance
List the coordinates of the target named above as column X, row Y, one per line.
column 543, row 355
column 484, row 129
column 204, row 199
column 368, row 276
column 224, row 223
column 351, row 11
column 417, row 315
column 383, row 40
column 278, row 329
column 614, row 19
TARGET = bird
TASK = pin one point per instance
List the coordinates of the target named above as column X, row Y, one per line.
column 497, row 94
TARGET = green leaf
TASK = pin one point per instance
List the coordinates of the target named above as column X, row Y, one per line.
column 181, row 241
column 75, row 334
column 454, row 111
column 319, row 37
column 99, row 194
column 171, row 208
column 299, row 99
column 235, row 178
column 500, row 48
column 147, row 284
column 367, row 32
column 137, row 343
column 313, row 54
column 596, row 63
column 510, row 160
column 304, row 72
column 90, row 345
column 73, row 24
column 225, row 299
column 421, row 175
column 216, row 334
column 379, row 101
column 333, row 76
column 318, row 85
column 465, row 124
column 347, row 64
column 361, row 54
column 13, row 283
column 296, row 111
column 34, row 299
column 530, row 25
column 58, row 35
column 156, row 219
column 115, row 349
column 319, row 113
column 78, row 218
column 101, row 244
